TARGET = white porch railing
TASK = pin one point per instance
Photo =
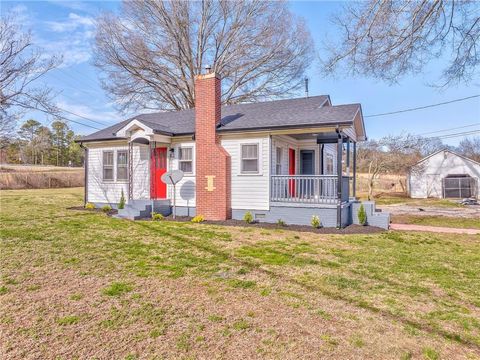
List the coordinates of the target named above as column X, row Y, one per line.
column 313, row 189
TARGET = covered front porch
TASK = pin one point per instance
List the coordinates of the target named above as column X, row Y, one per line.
column 319, row 168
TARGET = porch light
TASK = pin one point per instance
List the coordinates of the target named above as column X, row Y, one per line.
column 172, row 153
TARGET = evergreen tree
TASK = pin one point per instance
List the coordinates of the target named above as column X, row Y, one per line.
column 27, row 133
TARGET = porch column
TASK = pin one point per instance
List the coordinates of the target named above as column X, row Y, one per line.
column 348, row 157
column 354, row 182
column 339, row 179
column 130, row 170
column 339, row 166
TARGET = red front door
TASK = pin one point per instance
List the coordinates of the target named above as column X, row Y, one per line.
column 158, row 166
column 291, row 171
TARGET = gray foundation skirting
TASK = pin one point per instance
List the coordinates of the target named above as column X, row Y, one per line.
column 298, row 215
column 290, row 215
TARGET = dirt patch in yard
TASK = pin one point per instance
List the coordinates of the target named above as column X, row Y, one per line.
column 183, row 318
column 109, row 212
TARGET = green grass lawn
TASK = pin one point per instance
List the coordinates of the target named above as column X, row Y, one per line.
column 445, row 221
column 79, row 284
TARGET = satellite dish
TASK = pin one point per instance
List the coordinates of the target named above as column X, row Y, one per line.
column 172, row 178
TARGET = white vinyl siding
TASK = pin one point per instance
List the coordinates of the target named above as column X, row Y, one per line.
column 100, row 190
column 249, row 191
column 141, row 172
column 185, row 189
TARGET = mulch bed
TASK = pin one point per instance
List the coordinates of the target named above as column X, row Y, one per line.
column 351, row 229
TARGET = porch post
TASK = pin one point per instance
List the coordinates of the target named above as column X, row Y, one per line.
column 354, row 183
column 348, row 157
column 339, row 179
column 130, row 170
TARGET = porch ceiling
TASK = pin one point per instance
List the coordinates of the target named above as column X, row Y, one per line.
column 320, row 137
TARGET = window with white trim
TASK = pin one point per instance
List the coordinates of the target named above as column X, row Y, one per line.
column 107, row 165
column 278, row 161
column 122, row 165
column 185, row 159
column 249, row 159
column 329, row 164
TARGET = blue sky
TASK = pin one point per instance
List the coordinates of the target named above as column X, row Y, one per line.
column 67, row 28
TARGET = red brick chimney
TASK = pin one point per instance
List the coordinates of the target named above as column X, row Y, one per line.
column 212, row 162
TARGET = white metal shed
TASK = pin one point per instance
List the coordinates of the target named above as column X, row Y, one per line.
column 444, row 174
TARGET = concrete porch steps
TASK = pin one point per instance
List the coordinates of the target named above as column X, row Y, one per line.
column 141, row 209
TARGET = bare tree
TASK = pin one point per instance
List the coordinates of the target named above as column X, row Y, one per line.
column 150, row 52
column 470, row 147
column 387, row 39
column 21, row 67
column 394, row 154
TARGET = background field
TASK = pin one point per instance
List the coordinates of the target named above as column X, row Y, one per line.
column 76, row 283
column 39, row 177
column 44, row 177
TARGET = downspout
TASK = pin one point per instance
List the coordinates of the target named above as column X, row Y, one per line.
column 85, row 176
column 354, row 186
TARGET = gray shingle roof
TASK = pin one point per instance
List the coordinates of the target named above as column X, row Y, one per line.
column 291, row 113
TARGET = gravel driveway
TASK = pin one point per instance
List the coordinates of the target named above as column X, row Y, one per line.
column 470, row 211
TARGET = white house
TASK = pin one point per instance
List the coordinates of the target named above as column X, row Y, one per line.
column 444, row 174
column 276, row 159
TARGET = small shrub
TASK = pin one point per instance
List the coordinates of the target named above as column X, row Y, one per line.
column 280, row 222
column 121, row 204
column 248, row 217
column 89, row 206
column 106, row 208
column 198, row 219
column 157, row 216
column 316, row 223
column 362, row 215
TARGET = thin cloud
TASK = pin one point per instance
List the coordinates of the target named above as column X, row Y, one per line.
column 73, row 23
column 73, row 5
column 72, row 39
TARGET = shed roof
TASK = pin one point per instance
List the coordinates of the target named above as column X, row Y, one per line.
column 445, row 150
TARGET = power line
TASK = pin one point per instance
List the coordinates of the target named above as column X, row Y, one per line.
column 77, row 122
column 78, row 80
column 455, row 128
column 17, row 103
column 423, row 107
column 80, row 116
column 448, row 136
